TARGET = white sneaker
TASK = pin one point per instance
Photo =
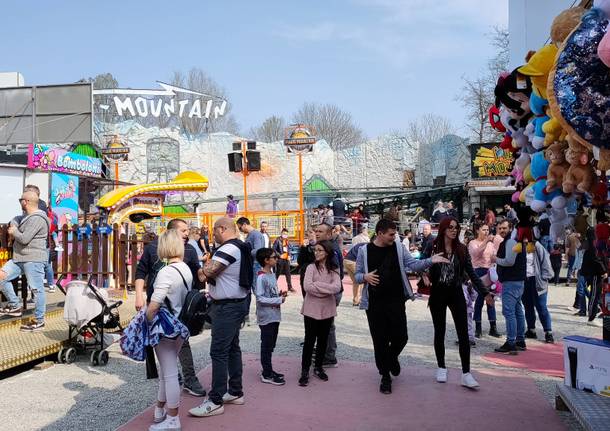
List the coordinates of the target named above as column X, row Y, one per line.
column 159, row 415
column 207, row 408
column 232, row 399
column 469, row 381
column 171, row 423
column 441, row 375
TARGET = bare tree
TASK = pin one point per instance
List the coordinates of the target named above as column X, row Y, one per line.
column 477, row 94
column 331, row 123
column 272, row 130
column 198, row 80
column 424, row 132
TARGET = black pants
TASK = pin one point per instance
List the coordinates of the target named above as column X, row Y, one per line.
column 316, row 332
column 596, row 283
column 388, row 327
column 283, row 268
column 268, row 340
column 438, row 309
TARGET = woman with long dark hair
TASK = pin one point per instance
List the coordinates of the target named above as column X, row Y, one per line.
column 446, row 292
column 321, row 283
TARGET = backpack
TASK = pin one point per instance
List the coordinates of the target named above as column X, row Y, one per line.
column 194, row 312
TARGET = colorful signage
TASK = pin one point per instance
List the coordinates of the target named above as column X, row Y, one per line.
column 489, row 161
column 54, row 159
column 299, row 138
column 64, row 199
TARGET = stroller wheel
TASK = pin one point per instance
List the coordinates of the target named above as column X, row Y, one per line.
column 103, row 357
column 94, row 358
column 70, row 355
column 61, row 356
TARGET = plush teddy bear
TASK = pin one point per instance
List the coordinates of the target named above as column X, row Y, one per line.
column 558, row 167
column 580, row 174
column 564, row 23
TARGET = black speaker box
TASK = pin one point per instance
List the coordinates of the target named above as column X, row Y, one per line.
column 235, row 162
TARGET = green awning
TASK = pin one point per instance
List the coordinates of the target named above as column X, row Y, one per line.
column 175, row 209
column 86, row 150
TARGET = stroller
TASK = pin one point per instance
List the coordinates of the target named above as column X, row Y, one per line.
column 88, row 314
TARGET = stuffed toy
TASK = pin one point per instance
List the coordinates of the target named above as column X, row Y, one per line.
column 559, row 222
column 525, row 230
column 603, row 50
column 539, row 67
column 539, row 167
column 538, row 105
column 564, row 23
column 558, row 167
column 579, row 86
column 580, row 174
column 553, row 132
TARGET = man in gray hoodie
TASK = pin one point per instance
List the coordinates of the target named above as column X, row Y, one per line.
column 29, row 258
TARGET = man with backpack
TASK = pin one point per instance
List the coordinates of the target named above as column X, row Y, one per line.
column 146, row 272
column 229, row 276
column 29, row 257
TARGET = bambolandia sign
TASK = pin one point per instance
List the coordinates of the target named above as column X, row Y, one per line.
column 170, row 102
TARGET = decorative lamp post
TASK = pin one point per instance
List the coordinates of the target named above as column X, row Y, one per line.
column 299, row 139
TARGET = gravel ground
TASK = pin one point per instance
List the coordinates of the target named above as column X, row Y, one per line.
column 78, row 396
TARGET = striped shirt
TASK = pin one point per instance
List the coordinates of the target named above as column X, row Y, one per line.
column 227, row 283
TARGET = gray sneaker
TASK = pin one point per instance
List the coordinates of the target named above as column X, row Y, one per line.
column 11, row 311
column 194, row 388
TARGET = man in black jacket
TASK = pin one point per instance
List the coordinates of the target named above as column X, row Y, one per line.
column 146, row 272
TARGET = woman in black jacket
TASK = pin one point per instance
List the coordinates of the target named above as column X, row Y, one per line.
column 595, row 271
column 446, row 292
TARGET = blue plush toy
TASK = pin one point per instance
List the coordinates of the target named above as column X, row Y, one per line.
column 538, row 106
column 538, row 167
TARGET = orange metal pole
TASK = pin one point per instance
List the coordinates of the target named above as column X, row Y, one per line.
column 116, row 174
column 244, row 172
column 301, row 210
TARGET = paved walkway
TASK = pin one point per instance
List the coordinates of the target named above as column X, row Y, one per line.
column 350, row 401
column 80, row 396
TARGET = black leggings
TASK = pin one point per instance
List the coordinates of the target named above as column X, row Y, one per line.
column 316, row 332
column 438, row 309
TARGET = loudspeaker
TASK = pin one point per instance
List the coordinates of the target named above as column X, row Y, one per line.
column 236, row 146
column 254, row 160
column 251, row 145
column 235, row 162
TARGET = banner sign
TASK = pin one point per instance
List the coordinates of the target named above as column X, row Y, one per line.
column 64, row 199
column 168, row 102
column 489, row 161
column 55, row 159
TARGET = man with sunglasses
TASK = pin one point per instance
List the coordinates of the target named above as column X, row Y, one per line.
column 29, row 257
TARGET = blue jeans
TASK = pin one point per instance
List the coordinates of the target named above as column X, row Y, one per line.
column 224, row 349
column 571, row 260
column 34, row 273
column 581, row 290
column 512, row 310
column 532, row 301
column 547, row 243
column 480, row 301
column 48, row 271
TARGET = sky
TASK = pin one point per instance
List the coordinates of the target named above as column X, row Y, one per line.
column 384, row 61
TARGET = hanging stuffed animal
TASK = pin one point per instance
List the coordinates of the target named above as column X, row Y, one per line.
column 580, row 175
column 558, row 167
column 579, row 86
column 539, row 167
column 599, row 192
column 525, row 230
column 559, row 222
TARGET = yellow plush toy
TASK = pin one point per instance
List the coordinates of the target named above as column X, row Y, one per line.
column 553, row 132
column 538, row 68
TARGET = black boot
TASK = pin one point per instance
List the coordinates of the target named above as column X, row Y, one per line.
column 478, row 331
column 304, row 380
column 493, row 330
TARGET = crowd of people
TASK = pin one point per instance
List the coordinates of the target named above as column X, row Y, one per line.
column 464, row 271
